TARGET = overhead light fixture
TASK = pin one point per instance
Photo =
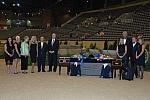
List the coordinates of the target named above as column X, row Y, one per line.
column 18, row 4
column 14, row 4
column 3, row 2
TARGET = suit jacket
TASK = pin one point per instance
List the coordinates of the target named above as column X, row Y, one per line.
column 134, row 50
column 54, row 47
column 129, row 46
column 42, row 51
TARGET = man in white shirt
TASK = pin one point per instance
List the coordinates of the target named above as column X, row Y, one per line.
column 134, row 49
column 42, row 43
column 125, row 34
column 42, row 49
column 128, row 42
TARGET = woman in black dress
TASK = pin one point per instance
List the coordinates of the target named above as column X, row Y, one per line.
column 122, row 51
column 17, row 53
column 33, row 52
column 140, row 56
column 9, row 52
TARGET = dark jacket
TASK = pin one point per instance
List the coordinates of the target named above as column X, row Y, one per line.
column 42, row 51
column 129, row 46
column 134, row 50
column 54, row 47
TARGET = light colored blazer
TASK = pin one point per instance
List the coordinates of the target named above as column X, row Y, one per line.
column 24, row 49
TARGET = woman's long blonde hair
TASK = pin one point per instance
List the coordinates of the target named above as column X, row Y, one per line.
column 17, row 38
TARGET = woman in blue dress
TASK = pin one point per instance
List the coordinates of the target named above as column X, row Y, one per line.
column 140, row 56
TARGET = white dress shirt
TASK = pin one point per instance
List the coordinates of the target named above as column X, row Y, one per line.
column 124, row 41
column 134, row 44
column 53, row 40
column 42, row 44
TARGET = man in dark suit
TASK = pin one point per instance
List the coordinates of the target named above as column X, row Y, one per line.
column 53, row 47
column 134, row 49
column 128, row 42
column 42, row 50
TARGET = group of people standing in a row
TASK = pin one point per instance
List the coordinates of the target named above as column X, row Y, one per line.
column 16, row 50
column 132, row 53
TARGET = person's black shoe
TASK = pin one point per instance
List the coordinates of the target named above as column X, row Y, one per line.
column 130, row 80
column 43, row 71
column 136, row 77
column 16, row 73
column 49, row 71
column 141, row 77
column 25, row 72
column 54, row 70
column 39, row 71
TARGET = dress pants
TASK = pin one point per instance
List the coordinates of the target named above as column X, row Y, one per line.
column 24, row 62
column 52, row 59
column 41, row 63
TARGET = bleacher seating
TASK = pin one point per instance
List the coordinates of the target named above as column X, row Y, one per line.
column 88, row 25
column 4, row 34
column 32, row 32
column 112, row 22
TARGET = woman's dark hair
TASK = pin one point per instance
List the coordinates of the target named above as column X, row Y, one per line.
column 7, row 42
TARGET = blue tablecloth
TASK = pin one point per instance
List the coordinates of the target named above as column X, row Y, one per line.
column 91, row 67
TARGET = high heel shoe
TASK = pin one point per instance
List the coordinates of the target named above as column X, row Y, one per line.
column 15, row 72
column 141, row 77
